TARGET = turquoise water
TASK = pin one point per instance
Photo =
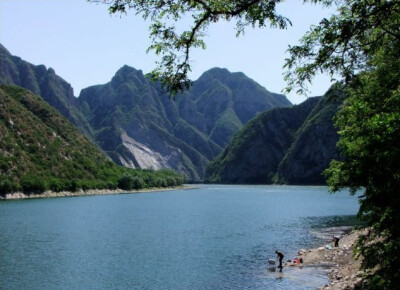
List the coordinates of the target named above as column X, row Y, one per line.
column 212, row 237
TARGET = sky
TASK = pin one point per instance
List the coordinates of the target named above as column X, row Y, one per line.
column 86, row 45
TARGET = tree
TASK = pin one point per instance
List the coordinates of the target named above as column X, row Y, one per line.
column 369, row 124
column 346, row 43
column 360, row 46
column 174, row 46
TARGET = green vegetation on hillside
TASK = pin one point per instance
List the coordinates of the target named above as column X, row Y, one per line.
column 283, row 145
column 314, row 144
column 40, row 150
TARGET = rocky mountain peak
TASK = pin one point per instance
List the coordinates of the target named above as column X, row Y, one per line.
column 127, row 74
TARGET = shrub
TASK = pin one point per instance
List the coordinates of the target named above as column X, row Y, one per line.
column 56, row 185
column 7, row 186
column 125, row 183
column 72, row 186
column 32, row 184
column 158, row 182
column 171, row 181
column 110, row 185
column 137, row 183
column 85, row 185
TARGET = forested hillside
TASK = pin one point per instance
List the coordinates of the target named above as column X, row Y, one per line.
column 283, row 145
column 40, row 150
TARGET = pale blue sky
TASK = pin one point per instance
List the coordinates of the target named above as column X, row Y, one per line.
column 86, row 46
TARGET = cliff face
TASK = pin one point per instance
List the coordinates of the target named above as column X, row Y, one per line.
column 43, row 82
column 184, row 134
column 284, row 145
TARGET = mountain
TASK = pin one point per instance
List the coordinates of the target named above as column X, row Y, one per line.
column 45, row 83
column 137, row 124
column 314, row 144
column 40, row 149
column 283, row 145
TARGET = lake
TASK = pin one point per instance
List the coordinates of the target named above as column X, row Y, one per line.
column 211, row 237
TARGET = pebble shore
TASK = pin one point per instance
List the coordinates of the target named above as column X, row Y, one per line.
column 345, row 273
column 49, row 194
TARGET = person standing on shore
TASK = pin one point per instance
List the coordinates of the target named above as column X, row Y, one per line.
column 280, row 258
column 336, row 240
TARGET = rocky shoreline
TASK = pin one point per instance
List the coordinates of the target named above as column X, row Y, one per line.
column 52, row 194
column 345, row 273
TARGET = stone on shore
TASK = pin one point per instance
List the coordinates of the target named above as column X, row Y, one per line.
column 345, row 273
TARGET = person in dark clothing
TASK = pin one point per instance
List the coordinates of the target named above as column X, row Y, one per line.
column 280, row 258
column 336, row 240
